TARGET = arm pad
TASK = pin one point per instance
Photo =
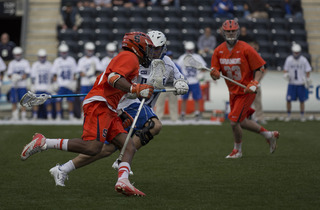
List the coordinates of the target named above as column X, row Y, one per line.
column 113, row 78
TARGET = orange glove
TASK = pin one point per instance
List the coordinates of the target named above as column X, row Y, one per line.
column 126, row 119
column 215, row 74
column 142, row 90
column 252, row 87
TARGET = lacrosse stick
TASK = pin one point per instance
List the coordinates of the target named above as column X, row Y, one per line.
column 191, row 62
column 31, row 99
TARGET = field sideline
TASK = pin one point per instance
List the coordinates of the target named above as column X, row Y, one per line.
column 182, row 168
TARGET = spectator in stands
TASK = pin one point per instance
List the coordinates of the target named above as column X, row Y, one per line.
column 292, row 8
column 69, row 18
column 257, row 103
column 244, row 36
column 192, row 75
column 6, row 47
column 86, row 3
column 219, row 37
column 206, row 43
column 18, row 71
column 172, row 99
column 257, row 9
column 222, row 9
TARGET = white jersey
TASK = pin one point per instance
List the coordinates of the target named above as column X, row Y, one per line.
column 297, row 69
column 171, row 73
column 41, row 74
column 189, row 72
column 105, row 62
column 20, row 67
column 86, row 64
column 2, row 65
column 65, row 69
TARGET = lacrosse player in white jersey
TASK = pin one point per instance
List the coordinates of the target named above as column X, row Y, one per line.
column 41, row 75
column 18, row 72
column 89, row 67
column 65, row 68
column 191, row 74
column 148, row 125
column 111, row 49
column 297, row 71
column 2, row 69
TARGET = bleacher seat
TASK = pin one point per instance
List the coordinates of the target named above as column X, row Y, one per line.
column 173, row 34
column 67, row 34
column 190, row 22
column 138, row 23
column 155, row 23
column 172, row 12
column 282, row 47
column 104, row 23
column 205, row 12
column 296, row 23
column 260, row 24
column 278, row 23
column 298, row 35
column 87, row 12
column 86, row 35
column 121, row 22
column 190, row 34
column 173, row 22
column 103, row 34
column 269, row 59
column 276, row 12
column 88, row 23
column 261, row 34
column 280, row 35
column 104, row 12
column 138, row 12
column 122, row 11
column 189, row 11
column 155, row 11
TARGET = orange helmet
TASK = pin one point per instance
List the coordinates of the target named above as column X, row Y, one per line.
column 141, row 45
column 230, row 31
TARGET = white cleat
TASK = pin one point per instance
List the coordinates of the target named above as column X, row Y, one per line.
column 273, row 141
column 37, row 144
column 58, row 175
column 234, row 154
column 126, row 188
column 115, row 165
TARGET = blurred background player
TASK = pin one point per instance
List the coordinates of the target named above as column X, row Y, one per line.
column 192, row 76
column 6, row 48
column 240, row 62
column 111, row 49
column 297, row 71
column 172, row 99
column 148, row 125
column 41, row 77
column 18, row 72
column 3, row 67
column 89, row 67
column 64, row 68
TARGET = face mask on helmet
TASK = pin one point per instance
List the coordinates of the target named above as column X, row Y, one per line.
column 17, row 53
column 63, row 51
column 140, row 44
column 42, row 55
column 159, row 41
column 89, row 49
column 296, row 51
column 230, row 31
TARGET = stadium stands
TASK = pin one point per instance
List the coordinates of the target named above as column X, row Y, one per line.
column 275, row 35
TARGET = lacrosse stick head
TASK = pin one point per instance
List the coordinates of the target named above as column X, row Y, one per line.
column 30, row 99
column 157, row 71
column 189, row 61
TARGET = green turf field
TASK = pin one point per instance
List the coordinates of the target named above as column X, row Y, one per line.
column 182, row 168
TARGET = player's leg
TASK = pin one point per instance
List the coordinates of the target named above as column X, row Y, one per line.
column 60, row 172
column 291, row 96
column 303, row 96
column 196, row 95
column 173, row 107
column 184, row 103
column 160, row 105
column 21, row 93
column 14, row 100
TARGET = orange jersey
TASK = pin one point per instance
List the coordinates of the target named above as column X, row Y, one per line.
column 126, row 64
column 237, row 64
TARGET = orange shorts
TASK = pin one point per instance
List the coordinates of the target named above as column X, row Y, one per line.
column 100, row 123
column 240, row 106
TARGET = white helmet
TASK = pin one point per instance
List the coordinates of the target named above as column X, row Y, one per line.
column 89, row 46
column 189, row 45
column 42, row 53
column 158, row 38
column 63, row 48
column 296, row 48
column 17, row 51
column 111, row 47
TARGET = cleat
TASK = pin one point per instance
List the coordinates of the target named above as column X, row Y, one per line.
column 37, row 144
column 115, row 165
column 273, row 141
column 125, row 187
column 58, row 175
column 234, row 154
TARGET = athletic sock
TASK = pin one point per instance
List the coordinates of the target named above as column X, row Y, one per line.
column 67, row 167
column 265, row 133
column 123, row 172
column 238, row 146
column 60, row 144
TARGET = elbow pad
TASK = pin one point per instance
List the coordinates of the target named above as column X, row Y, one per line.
column 113, row 78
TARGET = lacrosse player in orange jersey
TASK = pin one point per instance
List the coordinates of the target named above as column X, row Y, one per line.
column 101, row 122
column 240, row 62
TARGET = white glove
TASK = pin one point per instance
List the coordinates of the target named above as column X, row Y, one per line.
column 286, row 76
column 15, row 78
column 307, row 82
column 181, row 87
column 131, row 95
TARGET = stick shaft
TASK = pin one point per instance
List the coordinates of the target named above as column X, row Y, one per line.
column 131, row 130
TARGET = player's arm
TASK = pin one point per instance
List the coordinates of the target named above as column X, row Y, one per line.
column 253, row 86
column 118, row 81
